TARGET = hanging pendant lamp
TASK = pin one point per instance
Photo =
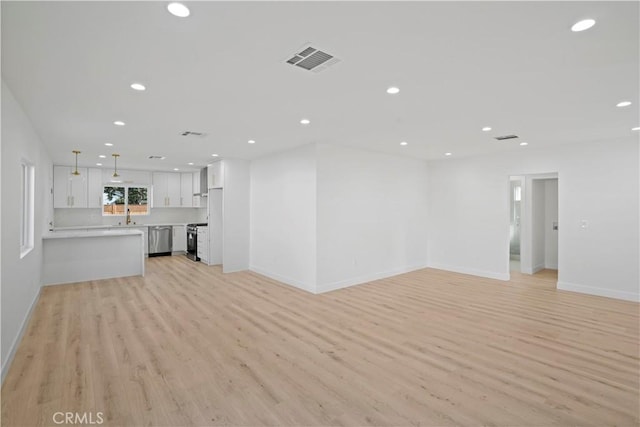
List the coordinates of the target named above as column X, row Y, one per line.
column 115, row 165
column 75, row 172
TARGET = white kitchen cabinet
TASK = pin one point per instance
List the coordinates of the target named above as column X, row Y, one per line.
column 94, row 188
column 179, row 238
column 215, row 175
column 186, row 190
column 196, row 190
column 203, row 244
column 166, row 190
column 69, row 191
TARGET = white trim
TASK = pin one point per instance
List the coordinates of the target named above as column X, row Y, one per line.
column 328, row 287
column 18, row 338
column 286, row 280
column 603, row 292
column 536, row 268
column 471, row 271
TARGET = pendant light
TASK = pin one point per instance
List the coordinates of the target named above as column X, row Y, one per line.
column 115, row 165
column 75, row 172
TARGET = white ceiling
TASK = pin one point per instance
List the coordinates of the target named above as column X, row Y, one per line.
column 460, row 66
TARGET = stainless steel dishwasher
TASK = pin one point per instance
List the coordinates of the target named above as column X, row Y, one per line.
column 160, row 240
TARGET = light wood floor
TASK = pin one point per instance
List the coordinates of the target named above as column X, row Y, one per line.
column 187, row 345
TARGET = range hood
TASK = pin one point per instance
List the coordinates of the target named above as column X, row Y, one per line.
column 204, row 187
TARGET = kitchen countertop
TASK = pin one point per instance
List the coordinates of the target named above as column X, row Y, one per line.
column 119, row 227
column 73, row 234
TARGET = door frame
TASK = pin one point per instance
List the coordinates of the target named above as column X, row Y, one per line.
column 526, row 218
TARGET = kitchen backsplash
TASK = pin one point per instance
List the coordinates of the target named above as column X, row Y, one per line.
column 78, row 217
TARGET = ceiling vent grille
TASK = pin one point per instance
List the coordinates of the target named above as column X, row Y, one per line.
column 157, row 157
column 505, row 137
column 192, row 133
column 312, row 59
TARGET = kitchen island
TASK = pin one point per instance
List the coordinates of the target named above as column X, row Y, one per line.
column 83, row 255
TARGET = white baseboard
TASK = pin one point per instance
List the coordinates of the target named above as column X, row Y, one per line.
column 18, row 337
column 537, row 268
column 366, row 278
column 286, row 280
column 471, row 271
column 603, row 292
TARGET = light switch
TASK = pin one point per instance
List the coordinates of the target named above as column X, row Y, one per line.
column 584, row 224
column 555, row 225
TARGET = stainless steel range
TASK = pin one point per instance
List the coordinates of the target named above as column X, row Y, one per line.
column 192, row 240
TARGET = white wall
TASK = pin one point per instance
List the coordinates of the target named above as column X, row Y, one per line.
column 21, row 278
column 537, row 225
column 597, row 182
column 371, row 216
column 551, row 217
column 469, row 216
column 283, row 217
column 236, row 215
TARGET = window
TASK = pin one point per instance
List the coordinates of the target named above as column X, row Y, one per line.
column 117, row 200
column 27, row 210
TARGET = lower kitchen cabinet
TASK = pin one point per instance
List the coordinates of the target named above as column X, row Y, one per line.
column 179, row 238
column 203, row 244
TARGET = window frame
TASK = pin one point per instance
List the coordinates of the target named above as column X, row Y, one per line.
column 126, row 198
column 27, row 206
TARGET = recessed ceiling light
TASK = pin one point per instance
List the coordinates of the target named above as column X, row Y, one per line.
column 486, row 129
column 585, row 24
column 524, row 143
column 393, row 90
column 251, row 141
column 176, row 169
column 178, row 9
column 190, row 163
column 305, row 121
column 137, row 86
column 447, row 154
column 636, row 128
column 623, row 104
column 118, row 123
column 214, row 155
column 108, row 144
column 98, row 164
column 404, row 143
column 102, row 156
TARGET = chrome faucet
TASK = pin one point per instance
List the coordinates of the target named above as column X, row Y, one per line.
column 128, row 216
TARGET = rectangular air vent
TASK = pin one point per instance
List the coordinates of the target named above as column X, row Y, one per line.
column 312, row 59
column 503, row 137
column 157, row 157
column 192, row 133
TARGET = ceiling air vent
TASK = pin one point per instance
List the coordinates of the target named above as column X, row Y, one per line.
column 312, row 59
column 192, row 133
column 157, row 157
column 504, row 137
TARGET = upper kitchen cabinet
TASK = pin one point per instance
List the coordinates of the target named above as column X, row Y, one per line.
column 69, row 191
column 166, row 190
column 186, row 190
column 215, row 175
column 94, row 188
column 196, row 190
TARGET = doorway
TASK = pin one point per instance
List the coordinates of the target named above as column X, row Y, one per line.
column 533, row 223
column 515, row 213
